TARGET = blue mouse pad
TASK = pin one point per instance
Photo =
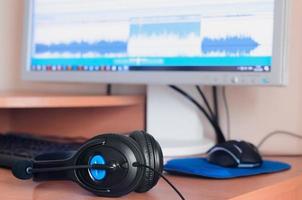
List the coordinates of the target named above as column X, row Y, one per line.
column 201, row 167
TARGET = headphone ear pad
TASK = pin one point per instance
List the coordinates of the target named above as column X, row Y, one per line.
column 153, row 158
column 113, row 147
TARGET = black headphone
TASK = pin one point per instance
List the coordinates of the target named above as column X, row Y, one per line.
column 108, row 165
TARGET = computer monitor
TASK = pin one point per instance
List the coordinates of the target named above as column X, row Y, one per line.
column 217, row 42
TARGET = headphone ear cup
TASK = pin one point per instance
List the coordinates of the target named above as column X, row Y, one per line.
column 153, row 158
column 111, row 147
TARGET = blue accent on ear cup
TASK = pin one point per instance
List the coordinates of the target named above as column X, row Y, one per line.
column 97, row 175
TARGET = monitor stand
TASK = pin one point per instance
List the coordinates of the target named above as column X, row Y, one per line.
column 175, row 123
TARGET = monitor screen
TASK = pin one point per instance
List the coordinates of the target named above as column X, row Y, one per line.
column 150, row 36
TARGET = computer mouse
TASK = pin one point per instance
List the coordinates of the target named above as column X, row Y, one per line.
column 235, row 154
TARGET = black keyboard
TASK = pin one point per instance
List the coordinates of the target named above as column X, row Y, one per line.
column 19, row 146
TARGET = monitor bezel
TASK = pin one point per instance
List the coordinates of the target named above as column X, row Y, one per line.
column 278, row 76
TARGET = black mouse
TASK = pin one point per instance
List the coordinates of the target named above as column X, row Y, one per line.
column 235, row 154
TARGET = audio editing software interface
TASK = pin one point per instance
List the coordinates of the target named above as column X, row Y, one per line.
column 152, row 35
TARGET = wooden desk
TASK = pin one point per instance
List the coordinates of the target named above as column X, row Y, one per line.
column 90, row 115
column 280, row 186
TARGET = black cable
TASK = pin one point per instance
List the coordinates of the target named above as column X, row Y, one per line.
column 214, row 114
column 205, row 100
column 215, row 103
column 277, row 133
column 218, row 131
column 113, row 166
column 267, row 137
column 109, row 90
column 162, row 176
column 227, row 112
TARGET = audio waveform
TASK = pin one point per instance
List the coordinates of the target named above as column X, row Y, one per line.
column 229, row 45
column 182, row 30
column 101, row 47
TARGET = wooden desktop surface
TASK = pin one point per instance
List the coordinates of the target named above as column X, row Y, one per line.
column 46, row 114
column 14, row 100
column 280, row 186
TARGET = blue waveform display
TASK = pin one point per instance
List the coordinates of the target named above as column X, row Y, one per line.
column 229, row 45
column 101, row 47
column 182, row 30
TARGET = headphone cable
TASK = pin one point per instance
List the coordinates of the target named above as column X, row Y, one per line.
column 205, row 100
column 162, row 176
column 30, row 170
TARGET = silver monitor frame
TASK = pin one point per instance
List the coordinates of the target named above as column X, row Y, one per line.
column 277, row 77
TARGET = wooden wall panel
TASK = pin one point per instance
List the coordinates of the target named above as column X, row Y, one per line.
column 72, row 122
column 4, row 120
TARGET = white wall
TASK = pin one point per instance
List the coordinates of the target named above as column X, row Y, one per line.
column 257, row 111
column 254, row 111
column 11, row 25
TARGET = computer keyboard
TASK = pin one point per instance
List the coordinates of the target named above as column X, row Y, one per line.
column 20, row 146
